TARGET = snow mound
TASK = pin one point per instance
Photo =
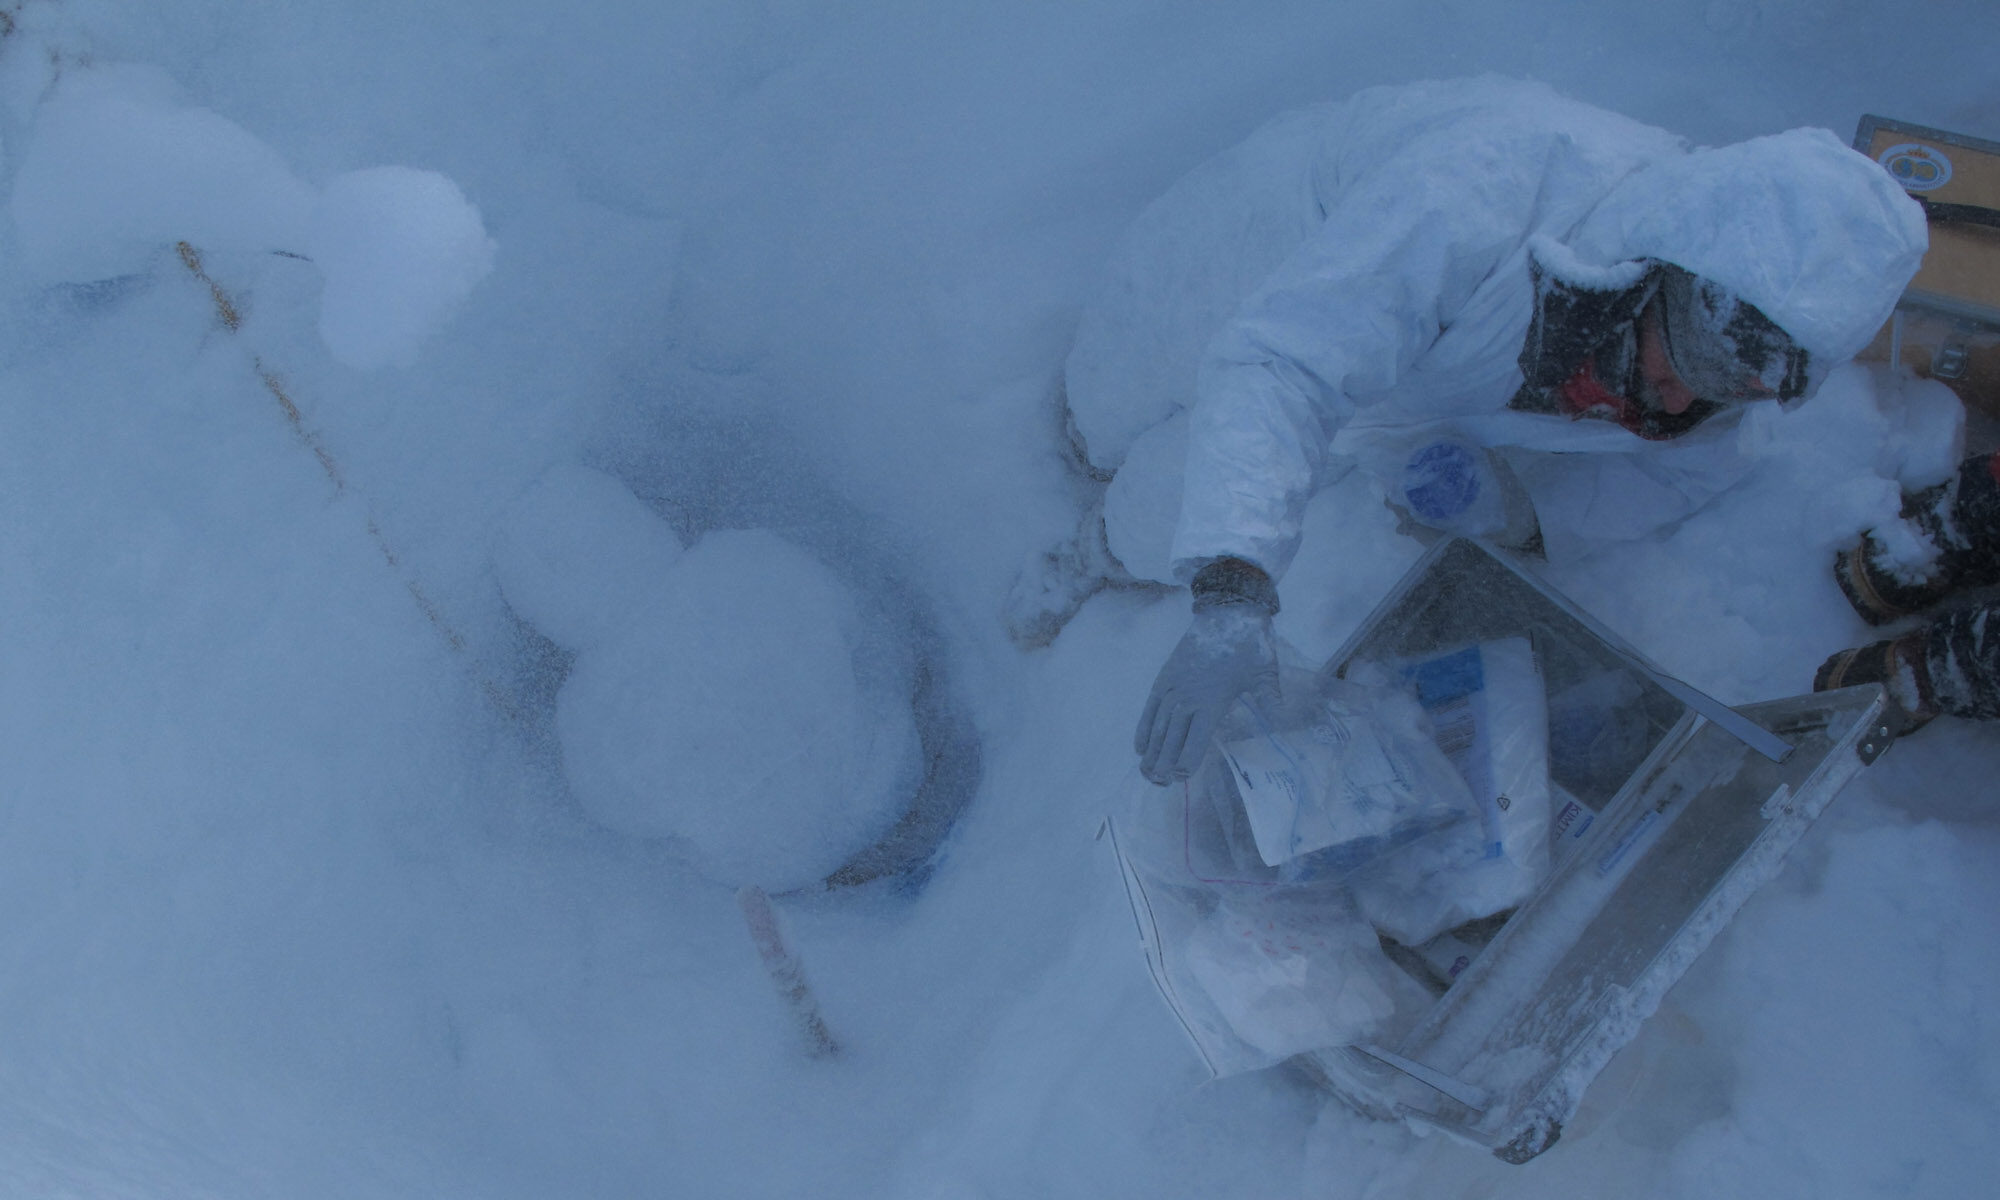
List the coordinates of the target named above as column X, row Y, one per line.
column 400, row 249
column 731, row 715
column 578, row 553
column 118, row 167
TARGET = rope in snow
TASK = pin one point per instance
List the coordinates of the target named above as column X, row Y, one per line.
column 786, row 971
column 230, row 315
column 788, row 974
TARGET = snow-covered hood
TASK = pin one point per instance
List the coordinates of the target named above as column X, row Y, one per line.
column 1817, row 236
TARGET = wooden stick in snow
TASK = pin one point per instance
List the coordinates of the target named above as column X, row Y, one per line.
column 788, row 975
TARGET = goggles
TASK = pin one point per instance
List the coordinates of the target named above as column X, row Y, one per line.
column 1725, row 350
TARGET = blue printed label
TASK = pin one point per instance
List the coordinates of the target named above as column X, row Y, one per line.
column 1441, row 481
column 1617, row 853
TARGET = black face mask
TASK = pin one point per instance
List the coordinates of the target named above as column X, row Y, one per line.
column 1723, row 343
column 1574, row 326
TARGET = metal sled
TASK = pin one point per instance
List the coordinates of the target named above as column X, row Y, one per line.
column 1690, row 807
column 1693, row 807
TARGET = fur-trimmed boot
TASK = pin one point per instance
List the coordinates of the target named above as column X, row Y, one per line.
column 1899, row 665
column 1054, row 583
column 1948, row 540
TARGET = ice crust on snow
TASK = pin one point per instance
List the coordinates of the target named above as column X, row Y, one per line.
column 745, row 711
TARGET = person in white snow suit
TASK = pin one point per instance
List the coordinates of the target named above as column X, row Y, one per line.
column 1467, row 289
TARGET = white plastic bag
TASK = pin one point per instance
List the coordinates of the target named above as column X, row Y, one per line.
column 1256, row 968
column 1342, row 773
column 1491, row 716
column 1290, row 973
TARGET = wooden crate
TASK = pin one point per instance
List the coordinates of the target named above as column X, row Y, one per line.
column 1948, row 324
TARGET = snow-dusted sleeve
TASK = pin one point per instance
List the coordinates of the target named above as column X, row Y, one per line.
column 1337, row 326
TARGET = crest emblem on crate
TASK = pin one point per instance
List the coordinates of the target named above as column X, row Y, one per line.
column 1919, row 168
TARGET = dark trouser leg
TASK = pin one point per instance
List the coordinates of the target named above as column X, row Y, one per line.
column 1950, row 667
column 1972, row 543
column 1962, row 658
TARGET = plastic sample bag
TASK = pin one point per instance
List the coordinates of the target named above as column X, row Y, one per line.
column 1339, row 776
column 1490, row 712
column 1255, row 967
column 1235, row 874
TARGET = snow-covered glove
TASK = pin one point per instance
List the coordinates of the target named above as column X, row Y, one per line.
column 1228, row 651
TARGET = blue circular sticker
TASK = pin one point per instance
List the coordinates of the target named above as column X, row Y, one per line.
column 1918, row 167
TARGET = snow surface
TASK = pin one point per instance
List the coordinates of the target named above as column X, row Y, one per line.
column 299, row 902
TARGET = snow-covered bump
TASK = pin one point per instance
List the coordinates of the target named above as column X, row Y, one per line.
column 731, row 715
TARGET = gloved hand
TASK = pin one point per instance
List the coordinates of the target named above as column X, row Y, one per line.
column 1228, row 651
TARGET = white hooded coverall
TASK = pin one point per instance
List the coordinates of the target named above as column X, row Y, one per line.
column 1358, row 274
